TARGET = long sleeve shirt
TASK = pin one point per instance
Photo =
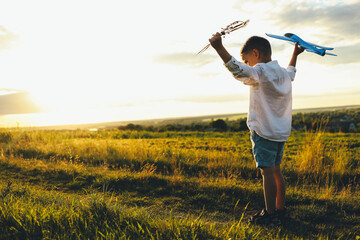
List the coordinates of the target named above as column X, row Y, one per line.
column 270, row 108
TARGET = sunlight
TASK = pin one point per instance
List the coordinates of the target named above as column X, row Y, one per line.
column 131, row 63
column 7, row 91
column 149, row 110
column 67, row 100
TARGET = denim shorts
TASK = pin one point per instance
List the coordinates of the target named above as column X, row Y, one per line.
column 267, row 153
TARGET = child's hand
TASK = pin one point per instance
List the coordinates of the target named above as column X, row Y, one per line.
column 298, row 49
column 216, row 41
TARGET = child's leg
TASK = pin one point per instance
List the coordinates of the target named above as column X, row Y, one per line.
column 270, row 188
column 281, row 188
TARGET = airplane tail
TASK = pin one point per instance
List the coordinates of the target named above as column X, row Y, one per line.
column 331, row 54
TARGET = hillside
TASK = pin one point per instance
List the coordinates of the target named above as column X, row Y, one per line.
column 186, row 120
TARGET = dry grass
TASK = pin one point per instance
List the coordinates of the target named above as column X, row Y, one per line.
column 173, row 173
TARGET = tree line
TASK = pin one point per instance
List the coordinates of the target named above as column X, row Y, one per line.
column 345, row 120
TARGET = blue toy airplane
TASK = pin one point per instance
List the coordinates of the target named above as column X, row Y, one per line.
column 309, row 47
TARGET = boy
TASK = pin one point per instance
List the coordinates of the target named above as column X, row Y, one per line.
column 269, row 117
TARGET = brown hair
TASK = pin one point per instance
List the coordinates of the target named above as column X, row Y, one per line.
column 258, row 43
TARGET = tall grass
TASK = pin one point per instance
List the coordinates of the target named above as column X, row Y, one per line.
column 321, row 159
column 27, row 213
column 137, row 185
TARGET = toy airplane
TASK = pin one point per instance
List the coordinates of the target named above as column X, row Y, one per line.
column 309, row 47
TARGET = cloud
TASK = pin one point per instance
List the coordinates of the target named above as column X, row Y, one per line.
column 342, row 97
column 332, row 22
column 214, row 98
column 346, row 54
column 186, row 59
column 341, row 21
column 6, row 38
column 323, row 22
column 15, row 102
column 339, row 92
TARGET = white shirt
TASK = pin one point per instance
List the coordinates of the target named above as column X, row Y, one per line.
column 270, row 110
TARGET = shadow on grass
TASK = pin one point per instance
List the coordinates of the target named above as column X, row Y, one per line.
column 310, row 215
column 168, row 168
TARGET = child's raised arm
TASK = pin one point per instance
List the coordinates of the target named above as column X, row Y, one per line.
column 297, row 50
column 216, row 43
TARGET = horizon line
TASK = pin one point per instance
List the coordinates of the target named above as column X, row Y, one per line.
column 90, row 125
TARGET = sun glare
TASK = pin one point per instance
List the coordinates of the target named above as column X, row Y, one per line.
column 65, row 100
column 130, row 63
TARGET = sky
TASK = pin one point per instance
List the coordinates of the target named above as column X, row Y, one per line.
column 85, row 61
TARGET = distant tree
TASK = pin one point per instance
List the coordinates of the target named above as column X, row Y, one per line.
column 352, row 127
column 170, row 127
column 197, row 127
column 344, row 120
column 219, row 125
column 131, row 127
column 150, row 128
column 243, row 125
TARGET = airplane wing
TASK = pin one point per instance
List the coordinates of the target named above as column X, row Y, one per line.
column 315, row 45
column 310, row 50
column 280, row 37
column 309, row 47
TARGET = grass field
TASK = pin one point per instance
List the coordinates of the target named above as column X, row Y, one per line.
column 116, row 184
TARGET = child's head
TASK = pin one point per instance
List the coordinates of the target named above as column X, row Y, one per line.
column 256, row 50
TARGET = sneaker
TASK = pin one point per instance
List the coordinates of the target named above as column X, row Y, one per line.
column 282, row 214
column 264, row 218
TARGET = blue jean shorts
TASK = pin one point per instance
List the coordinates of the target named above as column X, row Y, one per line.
column 267, row 153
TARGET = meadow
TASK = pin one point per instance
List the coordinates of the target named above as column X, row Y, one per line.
column 120, row 184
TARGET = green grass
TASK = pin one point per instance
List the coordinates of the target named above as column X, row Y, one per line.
column 143, row 185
